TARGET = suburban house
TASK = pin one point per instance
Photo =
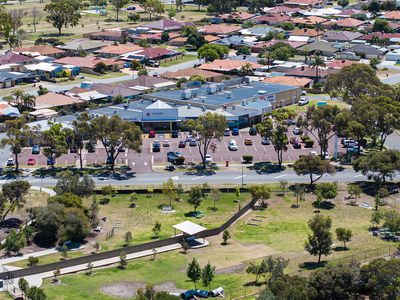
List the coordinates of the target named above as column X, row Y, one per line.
column 236, row 41
column 257, row 48
column 271, row 19
column 114, row 35
column 50, row 70
column 7, row 111
column 50, row 100
column 303, row 3
column 168, row 25
column 87, row 64
column 227, row 65
column 78, row 47
column 234, row 17
column 117, row 50
column 149, row 83
column 159, row 54
column 111, row 91
column 220, row 29
column 367, row 51
column 16, row 59
column 310, row 72
column 45, row 50
column 318, row 47
column 341, row 36
column 290, row 80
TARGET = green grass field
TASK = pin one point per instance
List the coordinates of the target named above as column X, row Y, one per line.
column 186, row 58
column 302, row 109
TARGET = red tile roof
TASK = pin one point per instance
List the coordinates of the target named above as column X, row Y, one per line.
column 85, row 62
column 289, row 80
column 281, row 9
column 219, row 29
column 151, row 53
column 392, row 15
column 338, row 64
column 14, row 58
column 310, row 72
column 349, row 22
column 379, row 35
column 42, row 49
column 240, row 15
column 311, row 20
column 52, row 99
column 272, row 18
column 307, row 32
column 118, row 49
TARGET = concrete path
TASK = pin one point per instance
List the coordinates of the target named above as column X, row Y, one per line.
column 13, row 259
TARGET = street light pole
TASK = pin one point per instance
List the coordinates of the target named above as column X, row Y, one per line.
column 242, row 176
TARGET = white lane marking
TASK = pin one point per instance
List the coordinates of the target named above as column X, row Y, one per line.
column 359, row 175
column 238, row 177
column 280, row 176
column 175, row 177
column 198, row 177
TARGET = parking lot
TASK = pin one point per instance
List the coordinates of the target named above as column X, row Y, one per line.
column 142, row 162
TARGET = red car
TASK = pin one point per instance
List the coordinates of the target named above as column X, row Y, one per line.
column 152, row 134
column 182, row 144
column 31, row 162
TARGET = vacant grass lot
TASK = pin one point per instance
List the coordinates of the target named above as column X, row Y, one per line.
column 302, row 109
column 186, row 58
column 285, row 229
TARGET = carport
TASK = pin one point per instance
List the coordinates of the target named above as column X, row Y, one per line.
column 188, row 230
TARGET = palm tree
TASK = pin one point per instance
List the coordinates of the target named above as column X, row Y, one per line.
column 13, row 41
column 246, row 69
column 316, row 64
column 21, row 99
column 29, row 100
column 318, row 28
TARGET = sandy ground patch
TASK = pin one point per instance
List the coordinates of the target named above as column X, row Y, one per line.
column 129, row 289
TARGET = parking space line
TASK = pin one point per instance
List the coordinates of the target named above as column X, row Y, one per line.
column 198, row 177
column 238, row 177
column 280, row 176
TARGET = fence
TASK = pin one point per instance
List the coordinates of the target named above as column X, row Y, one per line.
column 365, row 256
column 115, row 253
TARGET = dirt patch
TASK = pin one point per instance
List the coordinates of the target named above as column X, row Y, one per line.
column 129, row 289
column 231, row 270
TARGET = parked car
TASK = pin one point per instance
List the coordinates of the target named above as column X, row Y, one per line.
column 235, row 131
column 175, row 134
column 166, row 143
column 152, row 63
column 51, row 161
column 303, row 93
column 303, row 101
column 170, row 168
column 293, row 140
column 248, row 142
column 10, row 162
column 253, row 130
column 31, row 162
column 156, row 146
column 291, row 122
column 227, row 132
column 192, row 143
column 313, row 153
column 121, row 149
column 296, row 144
column 232, row 145
column 182, row 144
column 131, row 7
column 265, row 141
column 189, row 138
column 152, row 134
column 208, row 158
column 172, row 156
column 36, row 149
column 297, row 131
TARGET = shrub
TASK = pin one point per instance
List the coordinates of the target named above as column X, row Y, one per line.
column 32, row 261
column 247, row 158
column 179, row 160
column 309, row 143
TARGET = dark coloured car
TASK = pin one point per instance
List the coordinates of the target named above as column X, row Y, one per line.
column 51, row 161
column 172, row 156
column 266, row 141
column 175, row 134
column 182, row 144
column 36, row 149
column 235, row 131
column 296, row 145
column 156, row 146
column 253, row 130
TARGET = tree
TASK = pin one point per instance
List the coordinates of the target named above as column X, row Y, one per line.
column 100, row 68
column 68, row 182
column 118, row 4
column 23, row 286
column 226, row 236
column 246, row 69
column 207, row 275
column 55, row 140
column 211, row 52
column 134, row 17
column 123, row 261
column 289, row 287
column 62, row 13
column 75, row 227
column 15, row 241
column 380, row 278
column 357, row 131
column 299, row 191
column 33, row 261
column 157, row 229
column 18, row 134
column 343, row 235
column 205, row 129
column 196, row 39
column 316, row 64
column 21, row 100
column 89, row 268
column 42, row 90
column 343, row 3
column 374, row 6
column 320, row 241
column 128, row 238
column 374, row 62
column 116, row 134
column 195, row 197
column 153, row 7
column 336, row 282
column 352, row 81
column 171, row 13
column 376, row 218
column 107, row 191
column 354, row 190
column 243, row 50
column 48, row 220
column 313, row 165
column 260, row 193
column 328, row 190
column 198, row 77
column 93, row 213
column 381, row 25
column 221, row 6
column 193, row 271
column 35, row 293
column 379, row 166
column 143, row 72
column 67, row 199
column 215, row 196
column 169, row 190
column 165, row 37
column 13, row 196
column 274, row 268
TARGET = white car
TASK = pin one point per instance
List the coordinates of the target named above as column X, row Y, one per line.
column 303, row 101
column 232, row 145
column 209, row 158
column 296, row 131
column 10, row 162
column 166, row 143
column 313, row 153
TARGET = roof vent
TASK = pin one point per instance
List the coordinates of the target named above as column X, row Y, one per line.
column 302, row 68
column 189, row 106
column 233, row 107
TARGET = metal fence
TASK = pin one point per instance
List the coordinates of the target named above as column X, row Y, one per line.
column 115, row 253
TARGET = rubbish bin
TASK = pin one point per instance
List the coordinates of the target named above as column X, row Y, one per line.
column 227, row 163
